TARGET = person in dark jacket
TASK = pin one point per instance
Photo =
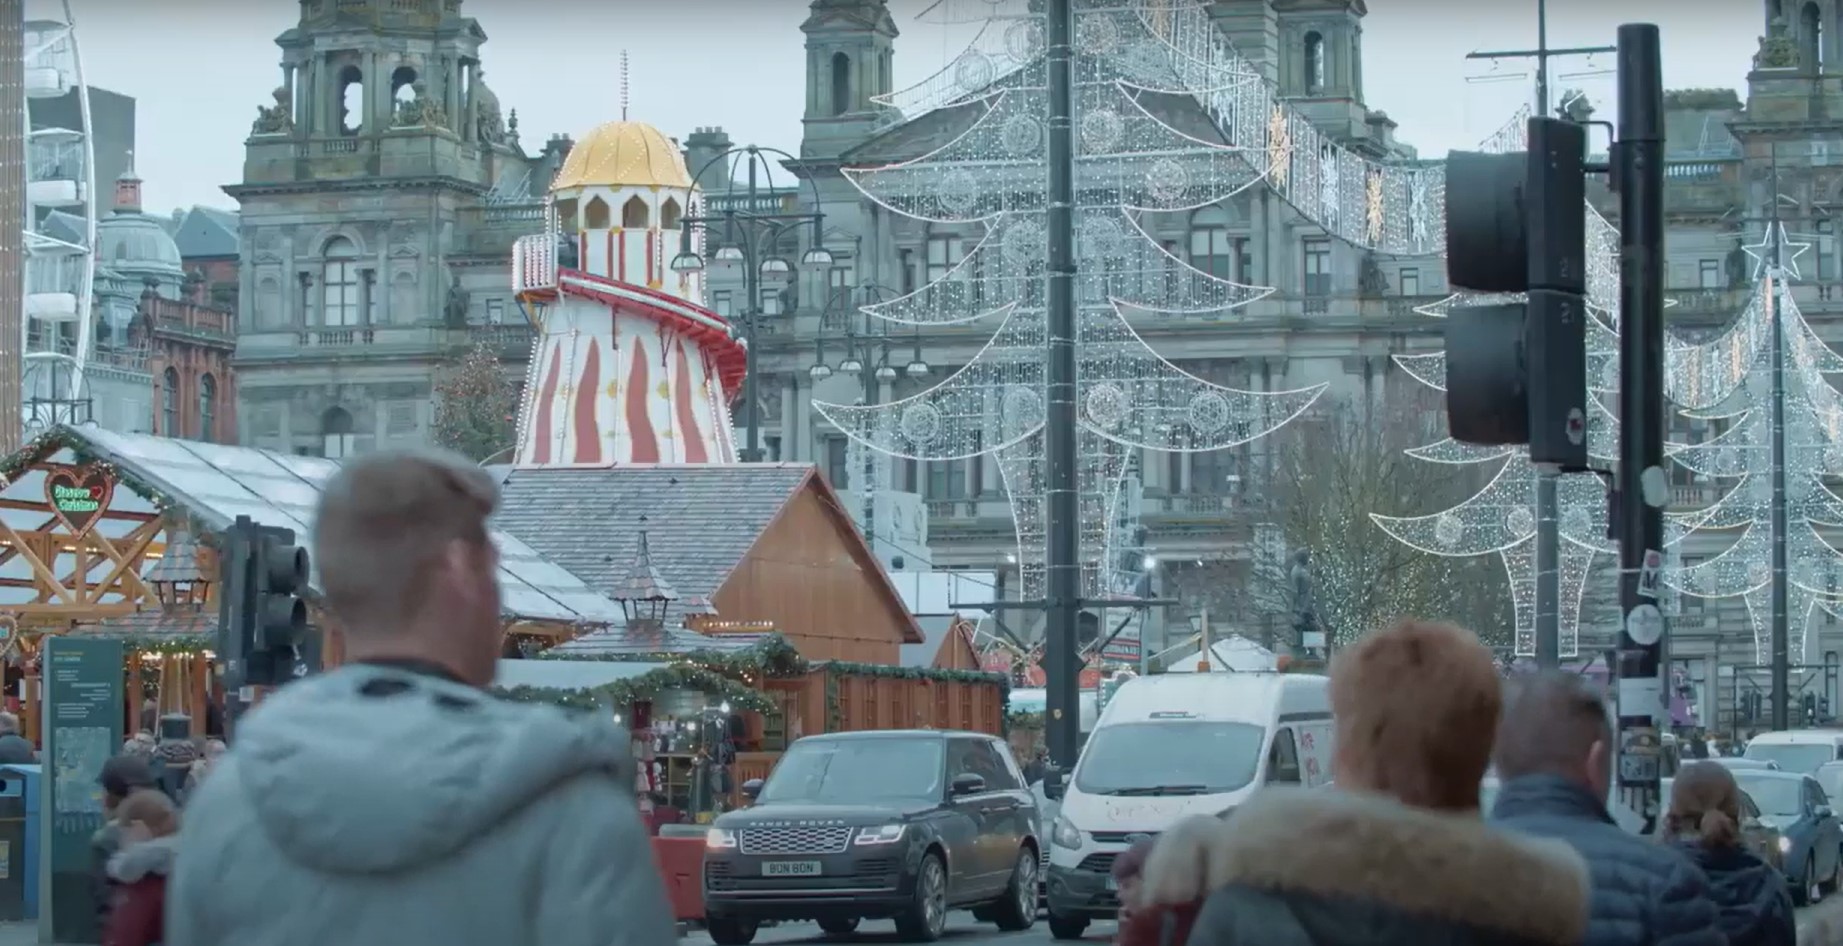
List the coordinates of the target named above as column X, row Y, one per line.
column 121, row 777
column 14, row 748
column 1704, row 823
column 1554, row 758
column 1397, row 854
column 150, row 846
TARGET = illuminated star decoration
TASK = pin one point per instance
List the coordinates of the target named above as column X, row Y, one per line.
column 1777, row 250
column 1279, row 147
column 1372, row 205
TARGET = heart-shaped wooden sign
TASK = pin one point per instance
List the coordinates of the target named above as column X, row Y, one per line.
column 79, row 497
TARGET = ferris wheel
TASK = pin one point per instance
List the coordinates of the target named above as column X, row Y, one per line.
column 60, row 226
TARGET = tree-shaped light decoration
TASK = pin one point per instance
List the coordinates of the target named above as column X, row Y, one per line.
column 1813, row 449
column 1135, row 154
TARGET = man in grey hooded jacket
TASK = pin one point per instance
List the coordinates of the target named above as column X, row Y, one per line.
column 393, row 803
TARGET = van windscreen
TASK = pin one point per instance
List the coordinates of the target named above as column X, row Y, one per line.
column 1173, row 757
column 1803, row 758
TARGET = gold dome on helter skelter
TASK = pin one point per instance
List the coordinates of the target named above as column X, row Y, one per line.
column 623, row 154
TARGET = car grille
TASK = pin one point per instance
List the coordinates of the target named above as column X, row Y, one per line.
column 873, row 872
column 794, row 840
column 1121, row 837
column 1101, row 863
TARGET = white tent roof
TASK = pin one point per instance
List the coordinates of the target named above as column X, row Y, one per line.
column 1234, row 653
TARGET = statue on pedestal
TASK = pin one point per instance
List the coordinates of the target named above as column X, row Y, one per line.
column 422, row 111
column 454, row 311
column 1305, row 607
column 277, row 119
column 1778, row 50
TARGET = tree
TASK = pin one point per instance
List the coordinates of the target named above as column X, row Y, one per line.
column 1329, row 475
column 475, row 406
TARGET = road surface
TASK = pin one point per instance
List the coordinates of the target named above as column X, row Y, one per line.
column 963, row 930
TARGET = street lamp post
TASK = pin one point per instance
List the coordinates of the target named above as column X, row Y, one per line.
column 750, row 233
column 866, row 355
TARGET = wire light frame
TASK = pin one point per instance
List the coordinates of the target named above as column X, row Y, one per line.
column 992, row 177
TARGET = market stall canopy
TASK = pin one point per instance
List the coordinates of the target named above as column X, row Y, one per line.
column 215, row 484
column 569, row 674
column 1234, row 653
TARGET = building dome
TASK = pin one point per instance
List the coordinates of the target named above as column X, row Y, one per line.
column 137, row 245
column 623, row 154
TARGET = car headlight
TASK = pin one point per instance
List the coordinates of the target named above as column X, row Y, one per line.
column 882, row 834
column 1065, row 834
column 719, row 839
column 1785, row 845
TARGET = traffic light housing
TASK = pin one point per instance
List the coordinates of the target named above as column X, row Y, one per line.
column 1516, row 372
column 262, row 617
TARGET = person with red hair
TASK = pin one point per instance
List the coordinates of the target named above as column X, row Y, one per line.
column 1397, row 854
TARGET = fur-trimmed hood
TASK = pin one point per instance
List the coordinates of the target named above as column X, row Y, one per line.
column 136, row 861
column 1339, row 845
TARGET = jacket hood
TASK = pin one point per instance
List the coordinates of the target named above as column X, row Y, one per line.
column 379, row 770
column 1746, row 888
column 156, row 856
column 1450, row 867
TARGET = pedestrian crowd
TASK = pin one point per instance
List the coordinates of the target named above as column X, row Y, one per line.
column 392, row 802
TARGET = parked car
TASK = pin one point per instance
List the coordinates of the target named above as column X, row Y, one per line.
column 903, row 825
column 1811, row 837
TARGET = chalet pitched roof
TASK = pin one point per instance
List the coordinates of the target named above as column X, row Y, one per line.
column 215, row 484
column 937, row 630
column 700, row 520
column 206, row 232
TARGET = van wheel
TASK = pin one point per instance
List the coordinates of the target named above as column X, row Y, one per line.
column 730, row 931
column 1067, row 927
column 1017, row 909
column 839, row 925
column 925, row 918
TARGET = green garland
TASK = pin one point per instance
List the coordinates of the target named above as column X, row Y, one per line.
column 620, row 694
column 167, row 645
column 835, row 716
column 15, row 464
column 1024, row 719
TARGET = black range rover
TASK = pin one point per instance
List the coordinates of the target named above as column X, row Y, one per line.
column 901, row 825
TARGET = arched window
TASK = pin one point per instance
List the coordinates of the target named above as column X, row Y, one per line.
column 340, row 283
column 1810, row 37
column 841, row 83
column 169, row 403
column 402, row 85
column 207, row 408
column 669, row 214
column 1314, row 62
column 336, row 428
column 351, row 100
column 595, row 215
column 635, row 215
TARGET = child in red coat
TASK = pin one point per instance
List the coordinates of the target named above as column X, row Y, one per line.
column 150, row 841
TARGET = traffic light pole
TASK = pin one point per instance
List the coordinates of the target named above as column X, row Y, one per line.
column 1548, row 524
column 1643, row 486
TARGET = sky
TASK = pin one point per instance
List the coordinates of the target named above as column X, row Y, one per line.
column 200, row 68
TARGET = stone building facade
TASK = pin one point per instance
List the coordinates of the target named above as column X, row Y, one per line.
column 381, row 193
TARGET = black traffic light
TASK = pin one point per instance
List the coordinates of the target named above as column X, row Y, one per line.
column 262, row 619
column 1516, row 373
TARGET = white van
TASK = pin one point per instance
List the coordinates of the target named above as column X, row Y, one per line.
column 1170, row 746
column 1797, row 750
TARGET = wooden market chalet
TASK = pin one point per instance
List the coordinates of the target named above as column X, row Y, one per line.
column 656, row 591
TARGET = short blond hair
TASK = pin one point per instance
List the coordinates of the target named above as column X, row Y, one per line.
column 385, row 522
column 1416, row 708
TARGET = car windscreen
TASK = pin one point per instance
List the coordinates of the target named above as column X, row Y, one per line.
column 1794, row 758
column 1781, row 798
column 1170, row 757
column 856, row 771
